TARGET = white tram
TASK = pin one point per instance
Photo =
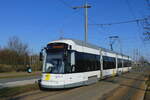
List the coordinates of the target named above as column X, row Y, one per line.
column 70, row 63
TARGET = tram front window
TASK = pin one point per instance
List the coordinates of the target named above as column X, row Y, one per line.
column 54, row 64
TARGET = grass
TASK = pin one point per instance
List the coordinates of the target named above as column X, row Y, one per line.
column 13, row 91
column 148, row 81
column 18, row 74
column 147, row 93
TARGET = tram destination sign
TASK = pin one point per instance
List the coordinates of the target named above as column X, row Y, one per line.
column 57, row 46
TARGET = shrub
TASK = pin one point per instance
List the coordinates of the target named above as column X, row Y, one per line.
column 6, row 68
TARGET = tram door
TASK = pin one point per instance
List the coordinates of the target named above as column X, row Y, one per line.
column 70, row 76
column 75, row 77
column 72, row 61
column 101, row 62
column 117, row 65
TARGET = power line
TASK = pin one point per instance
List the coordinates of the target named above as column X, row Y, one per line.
column 148, row 2
column 130, row 8
column 86, row 6
column 122, row 22
column 67, row 18
column 133, row 14
column 65, row 3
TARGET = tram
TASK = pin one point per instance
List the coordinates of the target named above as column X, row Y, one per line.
column 70, row 63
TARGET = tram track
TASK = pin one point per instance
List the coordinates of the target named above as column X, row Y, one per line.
column 36, row 95
column 132, row 88
column 126, row 86
column 61, row 94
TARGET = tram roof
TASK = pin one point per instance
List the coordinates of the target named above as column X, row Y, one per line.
column 83, row 43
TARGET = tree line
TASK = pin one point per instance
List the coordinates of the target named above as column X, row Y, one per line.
column 15, row 56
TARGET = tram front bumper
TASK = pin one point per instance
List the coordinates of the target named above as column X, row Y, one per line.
column 50, row 84
column 53, row 86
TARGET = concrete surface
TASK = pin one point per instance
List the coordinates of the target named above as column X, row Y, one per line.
column 10, row 82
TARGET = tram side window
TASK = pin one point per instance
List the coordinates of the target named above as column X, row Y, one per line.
column 127, row 63
column 109, row 62
column 98, row 63
column 79, row 62
column 92, row 65
column 119, row 63
column 86, row 62
column 113, row 62
column 105, row 60
column 124, row 63
column 67, row 62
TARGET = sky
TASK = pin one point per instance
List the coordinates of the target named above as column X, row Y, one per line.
column 37, row 22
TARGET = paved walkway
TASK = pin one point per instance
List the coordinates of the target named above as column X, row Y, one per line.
column 10, row 82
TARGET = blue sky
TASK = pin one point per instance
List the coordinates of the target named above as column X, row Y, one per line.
column 36, row 22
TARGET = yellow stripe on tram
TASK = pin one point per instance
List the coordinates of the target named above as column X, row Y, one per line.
column 47, row 77
column 113, row 74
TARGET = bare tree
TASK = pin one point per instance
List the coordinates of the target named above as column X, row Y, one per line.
column 15, row 44
column 16, row 54
column 143, row 61
column 0, row 48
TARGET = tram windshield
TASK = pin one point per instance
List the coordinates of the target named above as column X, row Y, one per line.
column 54, row 63
column 57, row 59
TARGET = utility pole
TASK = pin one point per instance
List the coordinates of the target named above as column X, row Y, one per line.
column 86, row 6
column 62, row 33
column 120, row 45
column 86, row 22
column 112, row 41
